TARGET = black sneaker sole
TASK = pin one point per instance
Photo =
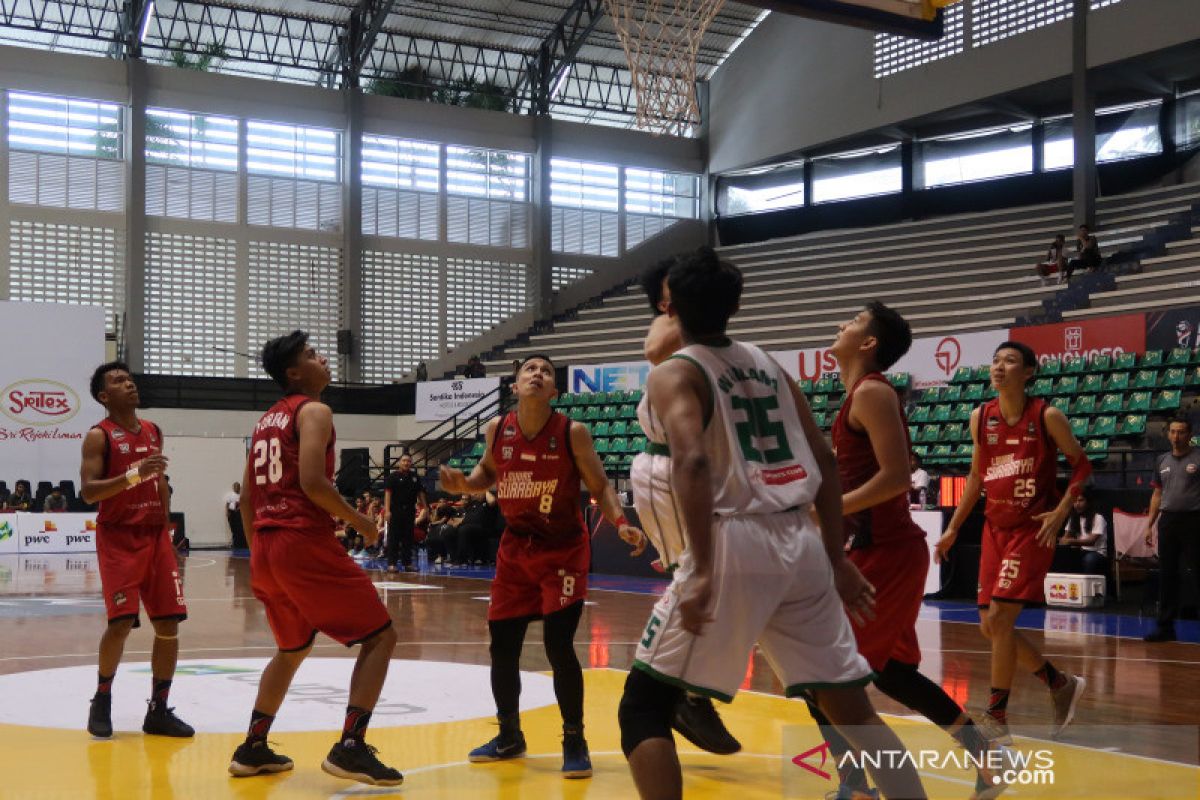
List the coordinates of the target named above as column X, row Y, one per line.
column 169, row 734
column 100, row 734
column 494, row 759
column 330, row 768
column 246, row 770
column 708, row 747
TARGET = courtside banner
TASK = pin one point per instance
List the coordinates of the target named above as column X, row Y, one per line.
column 45, row 406
column 438, row 400
column 1068, row 341
column 810, row 364
column 933, row 360
column 56, row 532
column 1175, row 327
column 618, row 376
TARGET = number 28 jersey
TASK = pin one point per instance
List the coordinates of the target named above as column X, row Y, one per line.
column 757, row 452
column 1017, row 465
column 275, row 492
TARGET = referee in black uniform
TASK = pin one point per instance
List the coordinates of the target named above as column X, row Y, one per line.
column 1175, row 504
column 401, row 492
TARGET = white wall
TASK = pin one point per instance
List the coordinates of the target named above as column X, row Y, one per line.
column 796, row 83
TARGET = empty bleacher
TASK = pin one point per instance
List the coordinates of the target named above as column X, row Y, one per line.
column 1163, row 281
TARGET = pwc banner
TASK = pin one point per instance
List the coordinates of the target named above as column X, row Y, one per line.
column 24, row 532
column 1068, row 341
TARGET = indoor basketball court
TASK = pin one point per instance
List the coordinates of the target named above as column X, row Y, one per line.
column 423, row 186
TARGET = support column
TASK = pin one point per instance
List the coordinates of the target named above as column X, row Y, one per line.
column 1083, row 109
column 912, row 172
column 541, row 278
column 708, row 184
column 352, row 235
column 246, row 367
column 1168, row 125
column 808, row 182
column 1037, row 137
column 5, row 213
column 135, row 217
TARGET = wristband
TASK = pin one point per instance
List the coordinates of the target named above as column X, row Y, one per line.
column 621, row 522
column 132, row 476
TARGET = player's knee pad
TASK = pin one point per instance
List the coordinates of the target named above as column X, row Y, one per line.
column 646, row 708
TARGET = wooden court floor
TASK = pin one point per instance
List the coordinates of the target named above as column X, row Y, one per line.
column 1135, row 734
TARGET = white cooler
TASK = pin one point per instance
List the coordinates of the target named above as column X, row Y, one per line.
column 1075, row 591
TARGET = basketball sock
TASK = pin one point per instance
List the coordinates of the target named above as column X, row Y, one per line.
column 104, row 684
column 162, row 689
column 260, row 726
column 1048, row 675
column 998, row 704
column 849, row 775
column 354, row 730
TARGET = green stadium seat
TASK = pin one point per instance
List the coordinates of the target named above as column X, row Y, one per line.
column 941, row 454
column 952, row 394
column 478, row 450
column 1145, row 379
column 1093, row 383
column 818, row 402
column 620, row 397
column 1151, row 358
column 1173, row 377
column 962, row 412
column 1168, row 400
column 1132, row 425
column 989, row 392
column 611, row 413
column 806, row 385
column 1179, row 357
column 619, row 428
column 1041, row 387
column 1100, row 363
column 1053, row 368
column 602, row 445
column 901, row 380
column 1125, row 361
column 600, row 430
column 1196, row 440
column 920, row 450
column 940, row 413
column 598, row 399
column 1111, row 403
column 974, row 392
column 618, row 445
column 1193, row 376
column 1067, row 384
column 627, row 461
column 556, row 401
column 1076, row 366
column 821, row 418
column 963, row 453
column 628, row 411
column 1138, row 401
column 1096, row 449
column 1104, row 426
column 825, row 385
column 931, row 396
column 1084, row 404
column 920, row 414
column 635, row 429
column 954, row 432
column 455, row 463
column 983, row 373
column 1079, row 427
column 929, row 434
column 612, row 462
column 912, row 433
column 1117, row 382
column 576, row 413
column 636, row 444
column 635, row 396
column 591, row 414
column 962, row 375
column 1063, row 404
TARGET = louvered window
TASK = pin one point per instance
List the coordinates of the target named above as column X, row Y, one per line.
column 191, row 166
column 295, row 286
column 75, row 264
column 654, row 200
column 400, row 188
column 487, row 197
column 897, row 53
column 293, row 177
column 565, row 276
column 480, row 295
column 190, row 305
column 400, row 316
column 584, row 203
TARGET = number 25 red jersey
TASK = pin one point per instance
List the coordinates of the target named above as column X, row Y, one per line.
column 537, row 483
column 1017, row 464
column 275, row 492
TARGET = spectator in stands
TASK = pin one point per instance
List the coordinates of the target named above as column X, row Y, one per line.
column 476, row 529
column 1088, row 531
column 233, row 502
column 918, row 494
column 1056, row 261
column 55, row 501
column 1175, row 505
column 422, row 373
column 442, row 542
column 474, row 368
column 1087, row 252
column 4, row 495
column 21, row 499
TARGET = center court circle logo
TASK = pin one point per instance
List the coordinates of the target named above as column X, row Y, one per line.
column 216, row 695
column 38, row 401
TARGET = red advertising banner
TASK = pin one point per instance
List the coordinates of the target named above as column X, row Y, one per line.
column 1086, row 338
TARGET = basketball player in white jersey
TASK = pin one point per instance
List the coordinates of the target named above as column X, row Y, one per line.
column 747, row 464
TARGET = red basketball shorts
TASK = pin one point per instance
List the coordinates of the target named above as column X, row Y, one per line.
column 897, row 571
column 533, row 580
column 137, row 565
column 308, row 583
column 1012, row 565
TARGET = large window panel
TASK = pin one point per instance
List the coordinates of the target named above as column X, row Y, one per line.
column 488, row 197
column 859, row 174
column 654, row 200
column 584, row 199
column 199, row 141
column 400, row 315
column 480, row 295
column 295, row 286
column 400, row 187
column 977, row 156
column 771, row 189
column 73, row 264
column 1122, row 132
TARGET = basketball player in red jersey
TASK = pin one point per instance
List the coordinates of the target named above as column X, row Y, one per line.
column 870, row 438
column 1017, row 438
column 121, row 470
column 536, row 458
column 304, row 578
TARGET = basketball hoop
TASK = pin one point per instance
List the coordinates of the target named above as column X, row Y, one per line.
column 661, row 39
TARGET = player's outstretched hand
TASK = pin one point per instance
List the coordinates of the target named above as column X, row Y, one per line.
column 452, row 480
column 941, row 551
column 694, row 605
column 366, row 527
column 856, row 592
column 1052, row 523
column 634, row 538
column 152, row 465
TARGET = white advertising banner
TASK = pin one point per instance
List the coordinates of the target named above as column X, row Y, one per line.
column 619, row 376
column 9, row 540
column 932, row 361
column 54, row 533
column 45, row 405
column 811, row 364
column 438, row 400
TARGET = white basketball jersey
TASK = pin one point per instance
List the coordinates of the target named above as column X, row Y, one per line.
column 758, row 455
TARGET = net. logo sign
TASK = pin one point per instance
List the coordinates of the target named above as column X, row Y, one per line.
column 947, row 355
column 38, row 401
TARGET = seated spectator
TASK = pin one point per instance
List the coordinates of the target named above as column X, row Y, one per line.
column 918, row 494
column 1056, row 261
column 55, row 501
column 477, row 528
column 1087, row 252
column 474, row 368
column 441, row 543
column 422, row 373
column 4, row 495
column 21, row 498
column 1087, row 531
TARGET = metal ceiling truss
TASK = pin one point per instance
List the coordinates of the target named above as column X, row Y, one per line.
column 558, row 50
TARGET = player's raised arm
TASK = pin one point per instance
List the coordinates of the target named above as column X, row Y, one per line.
column 970, row 495
column 592, row 471
column 482, row 477
column 315, row 425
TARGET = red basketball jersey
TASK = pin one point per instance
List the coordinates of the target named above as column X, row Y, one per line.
column 1016, row 464
column 890, row 521
column 275, row 492
column 137, row 505
column 537, row 481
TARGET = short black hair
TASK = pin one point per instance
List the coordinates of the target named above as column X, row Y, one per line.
column 542, row 356
column 1028, row 357
column 97, row 384
column 892, row 331
column 1179, row 419
column 279, row 354
column 705, row 291
column 651, row 281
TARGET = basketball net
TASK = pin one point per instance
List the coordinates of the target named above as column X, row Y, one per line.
column 661, row 39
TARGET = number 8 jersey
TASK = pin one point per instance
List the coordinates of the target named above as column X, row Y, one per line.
column 759, row 458
column 1016, row 463
column 275, row 492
